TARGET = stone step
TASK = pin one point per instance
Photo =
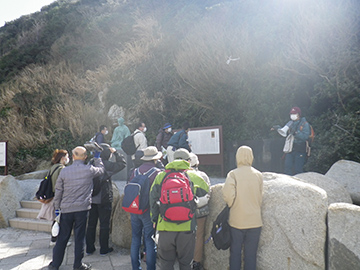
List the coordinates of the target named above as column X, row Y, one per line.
column 31, row 224
column 31, row 204
column 27, row 213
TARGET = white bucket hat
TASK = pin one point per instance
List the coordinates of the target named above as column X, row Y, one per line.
column 151, row 153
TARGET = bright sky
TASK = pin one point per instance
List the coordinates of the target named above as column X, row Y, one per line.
column 13, row 9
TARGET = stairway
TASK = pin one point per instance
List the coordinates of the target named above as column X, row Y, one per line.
column 26, row 218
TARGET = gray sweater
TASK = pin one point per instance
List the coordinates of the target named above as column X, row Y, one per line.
column 74, row 186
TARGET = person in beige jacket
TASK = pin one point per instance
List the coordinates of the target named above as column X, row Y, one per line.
column 242, row 192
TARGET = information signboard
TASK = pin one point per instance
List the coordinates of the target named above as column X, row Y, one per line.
column 3, row 154
column 207, row 144
column 205, row 141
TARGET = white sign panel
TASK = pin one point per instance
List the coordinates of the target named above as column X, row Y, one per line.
column 205, row 142
column 2, row 154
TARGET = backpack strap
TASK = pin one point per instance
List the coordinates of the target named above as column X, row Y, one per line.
column 147, row 174
column 51, row 174
column 183, row 171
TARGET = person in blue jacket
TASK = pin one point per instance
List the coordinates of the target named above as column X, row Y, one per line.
column 177, row 141
column 300, row 128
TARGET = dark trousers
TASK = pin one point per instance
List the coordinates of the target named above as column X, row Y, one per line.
column 103, row 213
column 68, row 221
column 294, row 162
column 249, row 239
column 175, row 245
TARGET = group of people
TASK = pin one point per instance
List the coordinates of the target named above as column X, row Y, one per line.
column 84, row 195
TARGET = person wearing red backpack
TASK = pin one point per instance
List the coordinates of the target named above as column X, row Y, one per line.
column 175, row 221
column 142, row 222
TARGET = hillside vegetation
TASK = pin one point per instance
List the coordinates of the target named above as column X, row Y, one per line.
column 239, row 64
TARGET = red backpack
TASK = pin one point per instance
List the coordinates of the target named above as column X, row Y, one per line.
column 177, row 202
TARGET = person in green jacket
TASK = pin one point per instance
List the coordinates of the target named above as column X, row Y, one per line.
column 176, row 240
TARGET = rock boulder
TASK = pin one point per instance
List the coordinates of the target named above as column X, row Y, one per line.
column 335, row 191
column 294, row 231
column 213, row 258
column 10, row 196
column 121, row 233
column 344, row 235
column 347, row 173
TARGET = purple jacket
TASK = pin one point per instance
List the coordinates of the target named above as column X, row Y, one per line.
column 146, row 166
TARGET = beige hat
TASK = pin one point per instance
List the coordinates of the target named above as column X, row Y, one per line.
column 151, row 153
column 194, row 161
column 182, row 153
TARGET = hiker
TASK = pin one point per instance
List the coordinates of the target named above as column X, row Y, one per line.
column 73, row 199
column 178, row 140
column 59, row 159
column 100, row 136
column 202, row 212
column 102, row 198
column 242, row 192
column 296, row 155
column 162, row 139
column 141, row 224
column 176, row 229
column 139, row 137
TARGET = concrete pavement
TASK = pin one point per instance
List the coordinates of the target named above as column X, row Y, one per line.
column 30, row 250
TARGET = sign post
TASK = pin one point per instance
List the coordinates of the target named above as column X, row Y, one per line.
column 207, row 144
column 3, row 155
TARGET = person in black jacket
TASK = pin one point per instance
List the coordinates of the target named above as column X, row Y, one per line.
column 102, row 198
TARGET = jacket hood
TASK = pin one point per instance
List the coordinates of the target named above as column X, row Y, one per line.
column 178, row 165
column 244, row 156
column 121, row 121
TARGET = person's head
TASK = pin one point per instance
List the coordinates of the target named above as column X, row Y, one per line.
column 141, row 126
column 295, row 113
column 244, row 156
column 60, row 156
column 186, row 126
column 167, row 127
column 106, row 152
column 121, row 121
column 138, row 161
column 194, row 160
column 103, row 129
column 79, row 153
column 182, row 154
column 151, row 154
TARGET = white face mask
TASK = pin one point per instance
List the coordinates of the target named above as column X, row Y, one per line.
column 106, row 132
column 293, row 117
column 144, row 129
column 67, row 160
column 169, row 129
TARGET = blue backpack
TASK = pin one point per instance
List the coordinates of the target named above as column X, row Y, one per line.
column 136, row 193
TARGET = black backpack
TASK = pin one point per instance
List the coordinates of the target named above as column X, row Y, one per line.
column 45, row 192
column 128, row 144
column 220, row 231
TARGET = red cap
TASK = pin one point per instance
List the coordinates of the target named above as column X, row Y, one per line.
column 295, row 110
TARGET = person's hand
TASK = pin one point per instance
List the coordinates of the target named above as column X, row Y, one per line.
column 112, row 150
column 97, row 154
column 57, row 212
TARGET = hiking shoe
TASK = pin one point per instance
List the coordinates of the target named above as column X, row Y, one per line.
column 90, row 252
column 84, row 266
column 196, row 266
column 108, row 251
column 50, row 267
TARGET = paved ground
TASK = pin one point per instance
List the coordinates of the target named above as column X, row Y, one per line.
column 30, row 250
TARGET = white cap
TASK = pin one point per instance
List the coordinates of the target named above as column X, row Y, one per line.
column 194, row 161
